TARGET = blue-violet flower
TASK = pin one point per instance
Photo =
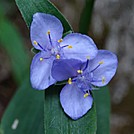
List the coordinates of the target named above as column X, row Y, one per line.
column 75, row 97
column 46, row 35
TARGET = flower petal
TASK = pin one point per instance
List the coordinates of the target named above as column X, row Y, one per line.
column 40, row 72
column 106, row 70
column 63, row 69
column 41, row 24
column 73, row 101
column 79, row 47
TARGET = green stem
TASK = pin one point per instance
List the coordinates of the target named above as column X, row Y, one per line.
column 86, row 16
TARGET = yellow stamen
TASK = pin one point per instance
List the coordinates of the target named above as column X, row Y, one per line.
column 88, row 57
column 35, row 42
column 48, row 32
column 41, row 59
column 60, row 40
column 57, row 56
column 85, row 95
column 69, row 46
column 103, row 80
column 79, row 71
column 69, row 81
column 101, row 62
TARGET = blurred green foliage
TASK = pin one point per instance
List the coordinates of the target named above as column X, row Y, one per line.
column 27, row 104
column 25, row 112
column 11, row 41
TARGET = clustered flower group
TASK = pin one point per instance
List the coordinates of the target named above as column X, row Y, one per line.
column 74, row 58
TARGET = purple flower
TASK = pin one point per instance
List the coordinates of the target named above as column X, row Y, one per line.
column 46, row 35
column 75, row 97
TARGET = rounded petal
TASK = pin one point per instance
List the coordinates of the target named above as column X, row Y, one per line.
column 78, row 46
column 40, row 72
column 106, row 70
column 63, row 69
column 73, row 101
column 41, row 24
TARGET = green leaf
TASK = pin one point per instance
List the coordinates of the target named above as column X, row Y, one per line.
column 102, row 101
column 11, row 41
column 86, row 16
column 56, row 121
column 28, row 8
column 25, row 112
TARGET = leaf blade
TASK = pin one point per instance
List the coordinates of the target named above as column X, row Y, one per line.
column 27, row 10
column 103, row 110
column 52, row 95
column 86, row 124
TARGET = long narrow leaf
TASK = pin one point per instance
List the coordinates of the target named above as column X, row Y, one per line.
column 28, row 8
column 55, row 119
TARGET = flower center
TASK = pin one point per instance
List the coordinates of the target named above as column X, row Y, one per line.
column 83, row 83
column 52, row 49
column 55, row 48
column 85, row 77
